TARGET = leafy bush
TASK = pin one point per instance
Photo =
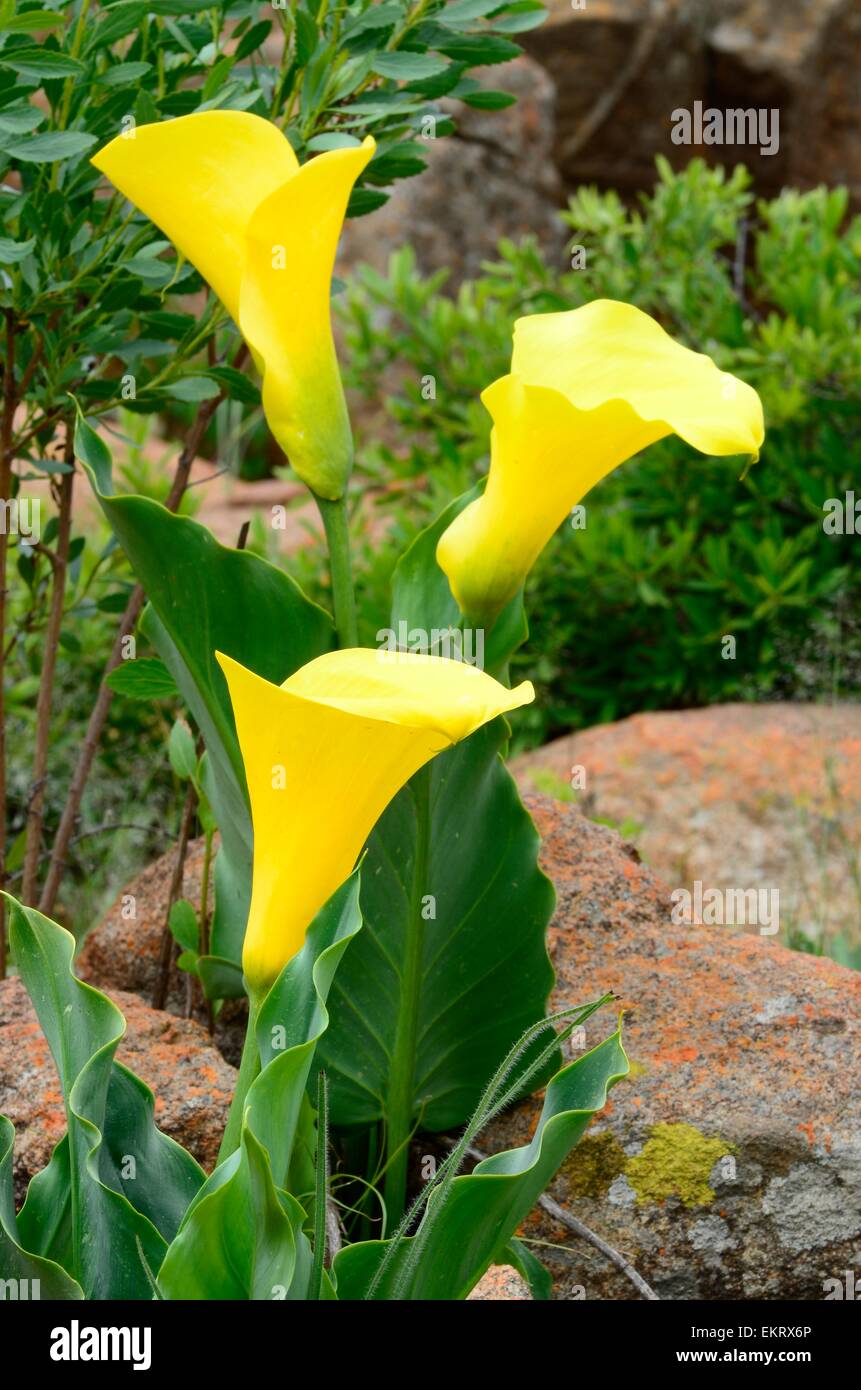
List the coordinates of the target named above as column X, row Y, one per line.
column 677, row 552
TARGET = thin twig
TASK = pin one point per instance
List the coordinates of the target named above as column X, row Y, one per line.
column 59, row 561
column 159, row 994
column 99, row 715
column 6, row 427
column 573, row 1224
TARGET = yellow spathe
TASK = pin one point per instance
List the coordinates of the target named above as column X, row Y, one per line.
column 588, row 389
column 324, row 754
column 227, row 189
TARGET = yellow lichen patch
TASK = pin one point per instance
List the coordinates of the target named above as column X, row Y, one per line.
column 676, row 1162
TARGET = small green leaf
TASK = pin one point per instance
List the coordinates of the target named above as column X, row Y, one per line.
column 11, row 252
column 147, row 678
column 19, row 120
column 181, row 751
column 193, row 388
column 489, row 101
column 51, row 146
column 480, row 50
column 32, row 21
column 124, row 74
column 41, row 62
column 408, row 67
column 183, row 924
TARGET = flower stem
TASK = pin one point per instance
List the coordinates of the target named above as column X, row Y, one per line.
column 249, row 1070
column 334, row 516
column 402, row 1069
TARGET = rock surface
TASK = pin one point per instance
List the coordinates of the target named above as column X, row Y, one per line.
column 501, row 1283
column 742, row 796
column 192, row 1083
column 728, row 1165
column 621, row 67
column 495, row 178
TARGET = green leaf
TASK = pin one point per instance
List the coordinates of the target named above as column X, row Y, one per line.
column 180, row 749
column 306, row 37
column 238, row 386
column 212, row 598
column 472, row 1227
column 491, row 901
column 489, row 101
column 11, row 252
column 124, row 74
column 408, row 67
column 19, row 120
column 485, row 972
column 536, row 1274
column 42, row 62
column 50, row 146
column 183, row 924
column 480, row 50
column 31, row 21
column 43, row 1278
column 147, row 678
column 121, row 1181
column 466, row 11
column 193, row 388
column 242, row 1237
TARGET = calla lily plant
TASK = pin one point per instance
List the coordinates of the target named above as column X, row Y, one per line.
column 394, row 941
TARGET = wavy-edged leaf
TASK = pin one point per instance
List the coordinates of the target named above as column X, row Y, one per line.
column 243, row 1235
column 115, row 1183
column 40, row 1277
column 471, row 1227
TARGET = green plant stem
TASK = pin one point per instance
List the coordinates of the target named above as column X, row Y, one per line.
column 249, row 1070
column 334, row 516
column 402, row 1070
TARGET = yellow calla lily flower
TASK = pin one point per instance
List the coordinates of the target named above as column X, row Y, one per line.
column 324, row 754
column 588, row 388
column 227, row 189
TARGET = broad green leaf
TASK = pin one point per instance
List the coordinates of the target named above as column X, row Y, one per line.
column 242, row 1236
column 211, row 598
column 470, row 1229
column 116, row 1184
column 485, row 973
column 32, row 1276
